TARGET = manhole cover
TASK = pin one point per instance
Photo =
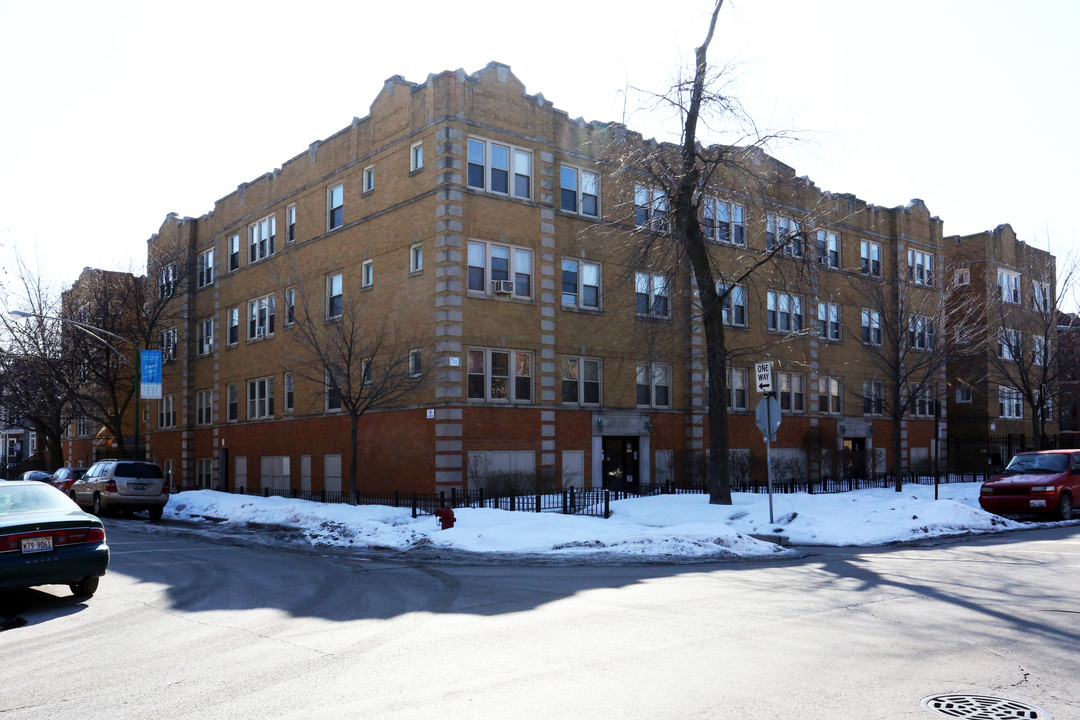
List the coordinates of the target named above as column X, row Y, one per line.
column 984, row 707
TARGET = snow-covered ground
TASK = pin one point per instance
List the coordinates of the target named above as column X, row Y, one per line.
column 673, row 526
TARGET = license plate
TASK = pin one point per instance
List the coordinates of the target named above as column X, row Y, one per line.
column 137, row 486
column 37, row 544
column 1038, row 503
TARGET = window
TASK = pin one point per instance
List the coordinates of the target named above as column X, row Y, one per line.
column 830, row 400
column 921, row 401
column 870, row 258
column 416, row 258
column 233, row 315
column 828, row 321
column 920, row 268
column 369, row 178
column 335, row 207
column 167, row 411
column 828, row 248
column 734, row 304
column 783, row 232
column 1009, row 344
column 653, row 385
column 205, row 335
column 290, row 306
column 204, row 472
column 416, row 157
column 785, row 312
column 1009, row 286
column 1042, row 300
column 736, row 388
column 1040, row 350
column 168, row 344
column 871, row 327
column 724, row 222
column 499, row 168
column 204, row 269
column 500, row 375
column 650, row 208
column 367, row 273
column 416, row 363
column 234, row 252
column 167, row 281
column 961, row 276
column 581, row 381
column 651, row 297
column 333, row 296
column 920, row 332
column 579, row 191
column 262, row 239
column 232, row 402
column 1010, row 403
column 260, row 398
column 290, row 392
column 963, row 393
column 499, row 269
column 333, row 391
column 261, row 317
column 1045, row 409
column 204, row 407
column 791, row 391
column 290, row 223
column 580, row 284
column 873, row 398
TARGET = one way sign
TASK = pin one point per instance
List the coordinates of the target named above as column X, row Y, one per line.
column 763, row 371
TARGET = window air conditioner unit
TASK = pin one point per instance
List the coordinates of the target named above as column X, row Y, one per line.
column 502, row 287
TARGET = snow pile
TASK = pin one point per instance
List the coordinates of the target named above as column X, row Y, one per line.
column 665, row 526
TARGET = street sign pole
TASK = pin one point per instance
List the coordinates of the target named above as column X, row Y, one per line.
column 768, row 456
column 768, row 419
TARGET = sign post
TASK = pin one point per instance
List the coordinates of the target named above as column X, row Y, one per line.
column 768, row 419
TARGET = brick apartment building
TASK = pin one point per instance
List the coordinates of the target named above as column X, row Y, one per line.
column 490, row 231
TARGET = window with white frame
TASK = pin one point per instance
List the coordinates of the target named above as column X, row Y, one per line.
column 234, row 252
column 783, row 232
column 651, row 295
column 369, row 178
column 335, row 207
column 167, row 281
column 1008, row 283
column 367, row 273
column 873, row 397
column 580, row 284
column 416, row 362
column 920, row 268
column 920, row 332
column 1041, row 298
column 1010, row 403
column 791, row 391
column 653, row 385
column 204, row 269
column 204, row 472
column 260, row 398
column 650, row 208
column 290, row 306
column 1040, row 350
column 167, row 411
column 334, row 296
column 871, row 327
column 828, row 321
column 262, row 238
column 579, row 191
column 733, row 304
column 963, row 393
column 204, row 407
column 232, row 402
column 1009, row 344
column 922, row 400
column 416, row 156
column 737, row 398
column 784, row 311
column 261, row 317
column 333, row 391
column 724, row 222
column 500, row 375
column 168, row 344
column 499, row 269
column 581, row 381
column 416, row 258
column 830, row 400
column 205, row 336
column 499, row 168
column 870, row 258
column 233, row 323
column 290, row 223
column 961, row 276
column 1045, row 409
column 289, row 388
column 828, row 248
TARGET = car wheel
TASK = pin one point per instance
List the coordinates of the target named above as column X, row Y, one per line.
column 96, row 508
column 155, row 513
column 1065, row 507
column 85, row 587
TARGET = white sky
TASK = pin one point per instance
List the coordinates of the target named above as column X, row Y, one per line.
column 113, row 114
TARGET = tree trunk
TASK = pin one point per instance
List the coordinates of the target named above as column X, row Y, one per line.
column 354, row 423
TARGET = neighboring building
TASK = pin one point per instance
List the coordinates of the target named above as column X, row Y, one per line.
column 18, row 450
column 490, row 229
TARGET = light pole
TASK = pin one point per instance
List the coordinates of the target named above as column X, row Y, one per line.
column 93, row 331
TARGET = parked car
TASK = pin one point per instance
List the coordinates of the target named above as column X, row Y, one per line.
column 1043, row 483
column 45, row 539
column 62, row 478
column 125, row 485
column 35, row 475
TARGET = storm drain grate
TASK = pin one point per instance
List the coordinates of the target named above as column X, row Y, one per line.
column 984, row 707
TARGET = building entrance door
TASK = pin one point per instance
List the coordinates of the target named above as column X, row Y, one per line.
column 620, row 465
column 855, row 463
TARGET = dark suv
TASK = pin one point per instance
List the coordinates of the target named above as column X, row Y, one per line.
column 1045, row 482
column 126, row 485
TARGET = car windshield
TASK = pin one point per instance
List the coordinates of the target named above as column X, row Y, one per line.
column 138, row 470
column 18, row 499
column 1050, row 462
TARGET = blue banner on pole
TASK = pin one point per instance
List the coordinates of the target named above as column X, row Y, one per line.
column 150, row 374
